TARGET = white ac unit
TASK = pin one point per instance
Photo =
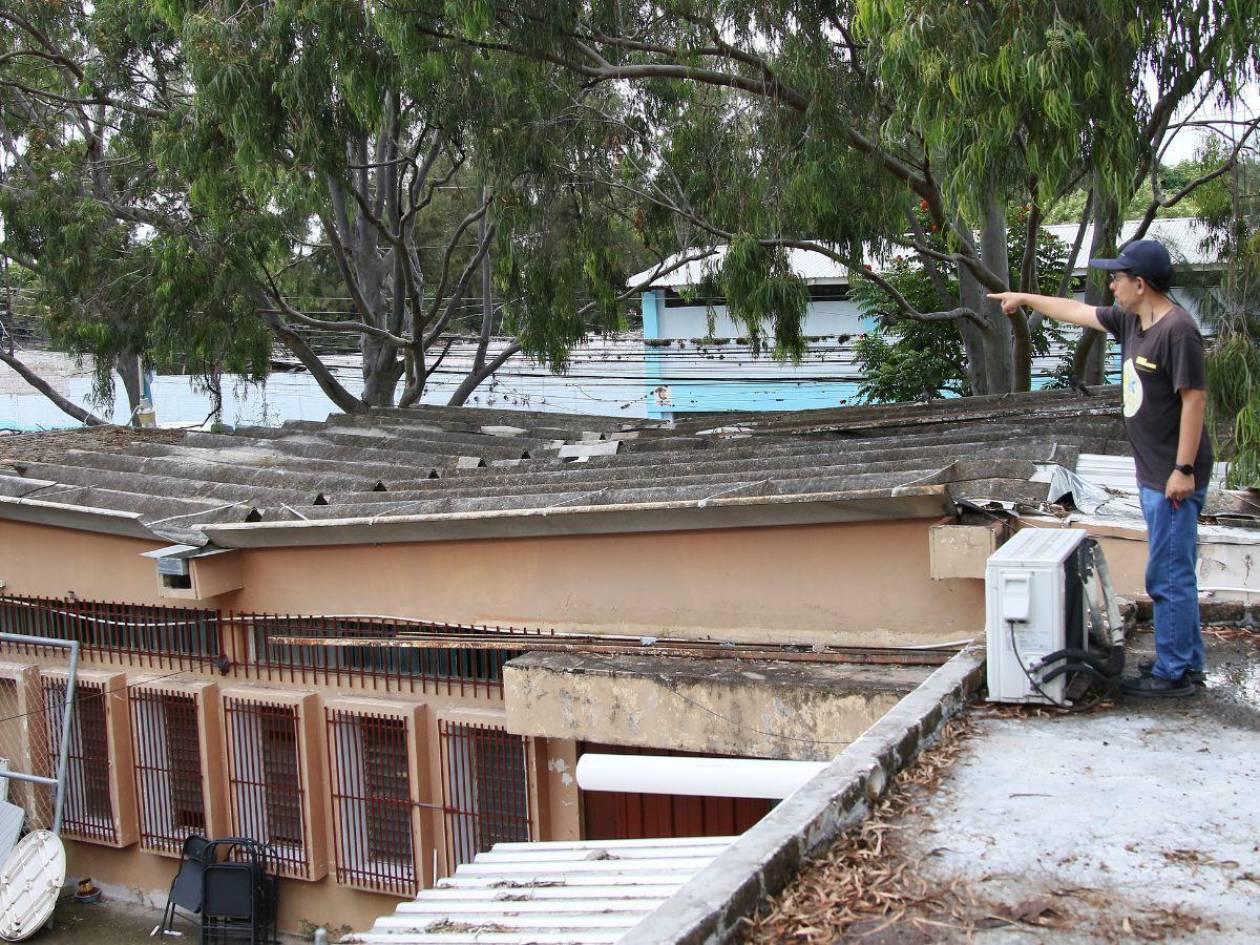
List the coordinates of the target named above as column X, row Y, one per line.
column 1042, row 591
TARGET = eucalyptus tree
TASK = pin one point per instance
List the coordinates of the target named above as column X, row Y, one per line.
column 176, row 172
column 85, row 92
column 338, row 125
column 831, row 124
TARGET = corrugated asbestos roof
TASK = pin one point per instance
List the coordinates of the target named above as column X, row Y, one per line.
column 589, row 892
column 441, row 473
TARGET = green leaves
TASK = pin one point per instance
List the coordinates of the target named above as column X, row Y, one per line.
column 762, row 289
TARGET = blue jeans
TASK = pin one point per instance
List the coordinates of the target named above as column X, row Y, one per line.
column 1171, row 581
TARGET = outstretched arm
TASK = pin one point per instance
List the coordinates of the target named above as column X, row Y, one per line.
column 1052, row 306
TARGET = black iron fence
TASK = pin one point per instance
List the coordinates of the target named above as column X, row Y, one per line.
column 88, row 811
column 380, row 653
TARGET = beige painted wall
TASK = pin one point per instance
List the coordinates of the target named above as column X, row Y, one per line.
column 860, row 584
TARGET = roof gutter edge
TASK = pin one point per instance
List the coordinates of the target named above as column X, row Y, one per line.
column 79, row 517
column 927, row 501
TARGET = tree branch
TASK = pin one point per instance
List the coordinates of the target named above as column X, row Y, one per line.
column 1158, row 203
column 65, row 406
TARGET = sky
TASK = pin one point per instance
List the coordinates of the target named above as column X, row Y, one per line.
column 1189, row 140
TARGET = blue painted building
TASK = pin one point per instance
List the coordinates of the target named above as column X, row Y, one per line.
column 697, row 360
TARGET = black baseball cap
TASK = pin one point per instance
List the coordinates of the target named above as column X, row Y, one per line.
column 1146, row 258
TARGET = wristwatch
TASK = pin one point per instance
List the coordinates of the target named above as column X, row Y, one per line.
column 1187, row 468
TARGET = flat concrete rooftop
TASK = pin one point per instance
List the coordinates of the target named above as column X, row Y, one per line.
column 1126, row 824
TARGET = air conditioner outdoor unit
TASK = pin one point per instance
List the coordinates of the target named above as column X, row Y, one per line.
column 1051, row 617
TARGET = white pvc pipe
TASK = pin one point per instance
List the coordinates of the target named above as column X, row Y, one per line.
column 1222, row 588
column 703, row 777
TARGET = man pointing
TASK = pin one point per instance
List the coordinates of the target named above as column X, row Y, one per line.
column 1165, row 395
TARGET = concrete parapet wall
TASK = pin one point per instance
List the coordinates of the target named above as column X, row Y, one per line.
column 707, row 910
column 804, row 711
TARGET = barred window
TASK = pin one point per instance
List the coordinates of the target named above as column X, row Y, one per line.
column 486, row 789
column 167, row 748
column 87, row 811
column 265, row 779
column 372, row 801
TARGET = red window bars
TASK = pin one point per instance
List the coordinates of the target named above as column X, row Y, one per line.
column 166, row 740
column 372, row 801
column 88, row 812
column 138, row 635
column 486, row 789
column 372, row 652
column 265, row 779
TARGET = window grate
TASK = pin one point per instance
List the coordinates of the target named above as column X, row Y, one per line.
column 485, row 789
column 167, row 748
column 130, row 634
column 372, row 653
column 265, row 780
column 88, row 810
column 372, row 801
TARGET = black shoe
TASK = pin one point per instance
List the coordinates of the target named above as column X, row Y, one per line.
column 1197, row 676
column 1156, row 688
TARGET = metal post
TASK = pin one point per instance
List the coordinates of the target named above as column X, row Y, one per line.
column 66, row 720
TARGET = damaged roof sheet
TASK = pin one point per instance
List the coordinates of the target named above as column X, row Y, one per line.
column 436, row 472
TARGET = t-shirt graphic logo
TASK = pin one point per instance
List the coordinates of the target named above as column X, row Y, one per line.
column 1132, row 388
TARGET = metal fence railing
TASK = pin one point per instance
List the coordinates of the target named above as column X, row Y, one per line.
column 130, row 634
column 80, row 726
column 377, row 653
column 485, row 789
column 373, row 801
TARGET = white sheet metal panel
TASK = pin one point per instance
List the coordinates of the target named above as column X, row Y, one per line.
column 573, row 892
column 1120, row 472
column 11, row 820
column 701, row 777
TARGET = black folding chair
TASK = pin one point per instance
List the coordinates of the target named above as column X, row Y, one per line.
column 239, row 893
column 185, row 891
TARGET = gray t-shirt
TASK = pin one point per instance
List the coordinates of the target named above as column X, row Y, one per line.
column 1157, row 364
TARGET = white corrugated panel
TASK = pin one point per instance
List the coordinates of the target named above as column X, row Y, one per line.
column 1120, row 472
column 588, row 892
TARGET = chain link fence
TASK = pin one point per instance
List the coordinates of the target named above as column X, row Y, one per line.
column 36, row 736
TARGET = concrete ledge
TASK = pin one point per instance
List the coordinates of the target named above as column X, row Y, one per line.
column 707, row 909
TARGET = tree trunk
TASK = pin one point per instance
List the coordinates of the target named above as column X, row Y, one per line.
column 1000, row 342
column 381, row 371
column 973, row 348
column 1089, row 360
column 127, row 366
column 41, row 385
